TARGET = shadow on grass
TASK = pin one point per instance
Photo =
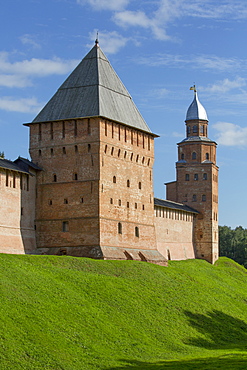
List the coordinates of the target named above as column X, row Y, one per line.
column 212, row 363
column 220, row 331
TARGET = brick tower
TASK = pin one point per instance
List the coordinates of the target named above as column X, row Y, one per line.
column 197, row 180
column 95, row 193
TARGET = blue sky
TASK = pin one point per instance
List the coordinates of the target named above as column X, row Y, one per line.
column 159, row 49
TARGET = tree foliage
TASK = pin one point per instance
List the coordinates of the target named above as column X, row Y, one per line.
column 2, row 155
column 233, row 244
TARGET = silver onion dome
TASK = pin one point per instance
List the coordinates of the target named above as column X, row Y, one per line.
column 196, row 110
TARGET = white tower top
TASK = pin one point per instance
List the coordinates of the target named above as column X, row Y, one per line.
column 196, row 109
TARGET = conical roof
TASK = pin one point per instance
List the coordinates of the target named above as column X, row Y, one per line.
column 93, row 89
column 196, row 110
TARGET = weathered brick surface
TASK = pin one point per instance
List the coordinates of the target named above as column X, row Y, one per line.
column 17, row 234
column 174, row 233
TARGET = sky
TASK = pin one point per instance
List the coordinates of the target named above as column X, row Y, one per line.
column 159, row 49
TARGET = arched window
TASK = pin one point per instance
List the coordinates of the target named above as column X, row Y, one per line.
column 120, row 228
column 75, row 176
column 137, row 231
column 182, row 156
column 54, row 178
column 194, row 155
column 114, row 179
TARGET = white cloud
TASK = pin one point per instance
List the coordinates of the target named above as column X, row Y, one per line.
column 111, row 42
column 18, row 74
column 105, row 4
column 14, row 81
column 23, row 105
column 28, row 40
column 205, row 62
column 230, row 134
column 226, row 85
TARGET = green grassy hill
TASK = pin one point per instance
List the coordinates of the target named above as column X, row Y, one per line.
column 75, row 313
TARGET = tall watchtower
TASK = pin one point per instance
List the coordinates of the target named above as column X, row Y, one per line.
column 197, row 180
column 95, row 193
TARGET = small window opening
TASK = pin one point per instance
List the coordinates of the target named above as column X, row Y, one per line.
column 50, row 202
column 64, row 150
column 119, row 228
column 65, row 226
column 203, row 198
column 111, row 201
column 196, row 176
column 114, row 179
column 207, row 156
column 205, row 176
column 89, row 148
column 81, row 200
column 140, row 185
column 75, row 176
column 187, row 177
column 52, row 151
column 128, row 204
column 76, row 149
column 135, row 205
column 65, row 201
column 128, row 183
column 54, row 178
column 194, row 155
column 194, row 198
column 137, row 232
column 119, row 202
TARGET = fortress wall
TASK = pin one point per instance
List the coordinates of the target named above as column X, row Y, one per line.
column 174, row 233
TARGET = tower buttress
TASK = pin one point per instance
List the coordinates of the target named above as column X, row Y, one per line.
column 196, row 182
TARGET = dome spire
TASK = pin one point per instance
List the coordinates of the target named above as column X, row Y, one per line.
column 196, row 109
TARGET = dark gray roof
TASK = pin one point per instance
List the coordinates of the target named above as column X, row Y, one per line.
column 19, row 165
column 5, row 163
column 25, row 164
column 197, row 138
column 93, row 89
column 173, row 205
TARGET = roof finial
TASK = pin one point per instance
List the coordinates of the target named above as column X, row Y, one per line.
column 97, row 38
column 193, row 88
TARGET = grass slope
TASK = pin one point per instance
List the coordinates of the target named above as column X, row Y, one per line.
column 75, row 313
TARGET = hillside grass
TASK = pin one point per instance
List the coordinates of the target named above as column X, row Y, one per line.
column 65, row 313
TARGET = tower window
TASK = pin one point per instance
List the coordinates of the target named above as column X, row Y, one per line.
column 135, row 205
column 111, row 201
column 65, row 226
column 64, row 150
column 119, row 152
column 75, row 176
column 207, row 156
column 119, row 202
column 196, row 176
column 114, row 179
column 194, row 198
column 195, row 129
column 105, row 149
column 188, row 130
column 50, row 202
column 119, row 228
column 137, row 232
column 51, row 151
column 40, row 153
column 182, row 156
column 88, row 147
column 128, row 183
column 65, row 201
column 203, row 198
column 140, row 185
column 194, row 155
column 54, row 178
column 128, row 204
column 205, row 176
column 76, row 149
column 187, row 177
